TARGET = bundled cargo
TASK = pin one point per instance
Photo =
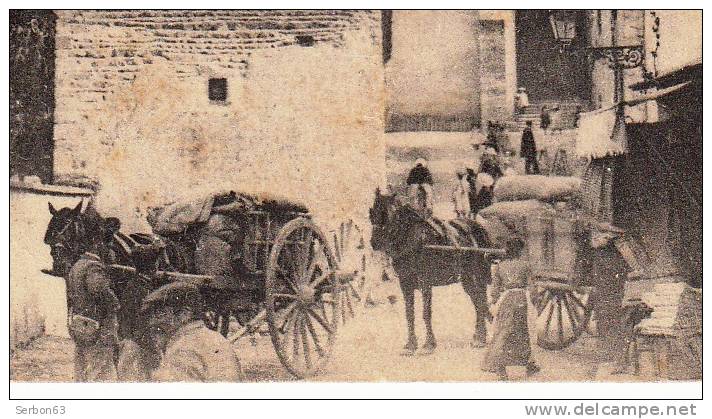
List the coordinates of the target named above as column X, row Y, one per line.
column 538, row 187
column 503, row 220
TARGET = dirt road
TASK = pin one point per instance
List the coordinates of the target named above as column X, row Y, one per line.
column 368, row 348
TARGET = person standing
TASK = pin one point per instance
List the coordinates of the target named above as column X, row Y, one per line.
column 92, row 318
column 544, row 119
column 492, row 140
column 577, row 116
column 528, row 151
column 608, row 271
column 489, row 164
column 521, row 99
column 420, row 187
column 190, row 351
column 460, row 195
column 510, row 345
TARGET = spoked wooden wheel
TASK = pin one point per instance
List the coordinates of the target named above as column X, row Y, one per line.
column 301, row 301
column 350, row 249
column 563, row 314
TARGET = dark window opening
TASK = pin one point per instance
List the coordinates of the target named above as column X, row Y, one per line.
column 217, row 90
column 387, row 29
column 305, row 40
column 32, row 70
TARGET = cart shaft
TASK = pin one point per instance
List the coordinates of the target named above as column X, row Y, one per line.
column 484, row 250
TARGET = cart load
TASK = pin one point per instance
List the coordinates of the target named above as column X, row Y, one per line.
column 541, row 188
column 177, row 217
column 541, row 211
column 504, row 220
column 263, row 266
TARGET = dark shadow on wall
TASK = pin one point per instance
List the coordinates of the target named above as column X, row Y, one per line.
column 32, row 43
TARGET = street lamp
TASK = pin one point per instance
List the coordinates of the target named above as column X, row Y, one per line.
column 563, row 24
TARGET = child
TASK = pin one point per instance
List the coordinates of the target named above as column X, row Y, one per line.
column 460, row 196
column 510, row 344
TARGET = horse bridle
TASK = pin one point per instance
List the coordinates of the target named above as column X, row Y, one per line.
column 73, row 247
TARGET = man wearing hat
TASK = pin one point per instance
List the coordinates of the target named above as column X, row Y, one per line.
column 420, row 187
column 190, row 351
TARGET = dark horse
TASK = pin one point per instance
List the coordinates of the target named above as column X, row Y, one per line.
column 71, row 232
column 401, row 232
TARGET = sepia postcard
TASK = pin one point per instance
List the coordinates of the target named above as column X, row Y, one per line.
column 349, row 196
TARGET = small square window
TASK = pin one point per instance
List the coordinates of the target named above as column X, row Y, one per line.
column 217, row 90
column 305, row 40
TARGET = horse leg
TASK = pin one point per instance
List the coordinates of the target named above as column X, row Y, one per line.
column 430, row 343
column 409, row 298
column 478, row 295
column 224, row 319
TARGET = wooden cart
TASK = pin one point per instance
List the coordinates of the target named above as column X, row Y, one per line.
column 560, row 295
column 291, row 282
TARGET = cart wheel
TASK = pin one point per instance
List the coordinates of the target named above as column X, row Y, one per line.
column 350, row 250
column 301, row 301
column 563, row 314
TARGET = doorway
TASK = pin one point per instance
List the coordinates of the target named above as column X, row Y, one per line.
column 548, row 74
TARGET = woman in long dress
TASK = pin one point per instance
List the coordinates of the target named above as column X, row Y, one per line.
column 510, row 345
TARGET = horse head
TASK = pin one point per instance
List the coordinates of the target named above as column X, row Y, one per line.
column 391, row 216
column 71, row 232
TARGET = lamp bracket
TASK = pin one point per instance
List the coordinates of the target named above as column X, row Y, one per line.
column 625, row 56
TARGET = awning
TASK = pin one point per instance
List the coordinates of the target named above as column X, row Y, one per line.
column 601, row 133
column 656, row 94
column 690, row 71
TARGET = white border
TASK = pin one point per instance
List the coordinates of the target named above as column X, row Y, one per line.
column 320, row 390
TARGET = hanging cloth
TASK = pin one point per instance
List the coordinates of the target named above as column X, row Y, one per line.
column 602, row 133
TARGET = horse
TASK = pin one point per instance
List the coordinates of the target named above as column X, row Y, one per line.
column 71, row 232
column 402, row 232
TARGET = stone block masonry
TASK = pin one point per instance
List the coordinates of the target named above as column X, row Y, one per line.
column 302, row 115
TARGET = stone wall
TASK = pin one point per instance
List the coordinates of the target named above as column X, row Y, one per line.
column 37, row 301
column 450, row 70
column 303, row 115
column 431, row 78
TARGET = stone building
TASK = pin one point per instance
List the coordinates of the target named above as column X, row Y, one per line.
column 644, row 137
column 455, row 70
column 450, row 70
column 153, row 104
column 150, row 106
